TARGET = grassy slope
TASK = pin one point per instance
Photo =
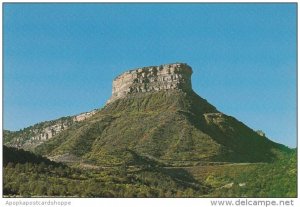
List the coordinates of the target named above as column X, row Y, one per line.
column 165, row 126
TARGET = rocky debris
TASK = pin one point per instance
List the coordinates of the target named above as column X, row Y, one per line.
column 221, row 121
column 242, row 184
column 228, row 185
column 151, row 79
column 261, row 133
column 84, row 116
column 214, row 117
column 67, row 158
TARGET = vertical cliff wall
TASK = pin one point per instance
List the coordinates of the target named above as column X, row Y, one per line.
column 175, row 76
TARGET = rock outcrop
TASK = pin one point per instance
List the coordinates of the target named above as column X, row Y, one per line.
column 56, row 128
column 151, row 79
column 32, row 136
column 84, row 116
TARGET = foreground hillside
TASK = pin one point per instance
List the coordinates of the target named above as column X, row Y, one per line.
column 46, row 178
column 41, row 177
column 278, row 179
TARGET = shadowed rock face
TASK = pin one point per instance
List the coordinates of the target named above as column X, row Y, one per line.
column 154, row 78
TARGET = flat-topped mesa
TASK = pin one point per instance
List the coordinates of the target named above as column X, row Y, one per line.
column 175, row 76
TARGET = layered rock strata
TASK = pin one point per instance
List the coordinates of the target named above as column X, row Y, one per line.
column 150, row 79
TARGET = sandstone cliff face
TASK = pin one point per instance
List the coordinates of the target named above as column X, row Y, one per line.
column 56, row 128
column 154, row 78
column 39, row 133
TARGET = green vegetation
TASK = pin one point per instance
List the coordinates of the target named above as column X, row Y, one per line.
column 37, row 176
column 162, row 144
column 167, row 126
column 19, row 156
column 277, row 179
column 52, row 179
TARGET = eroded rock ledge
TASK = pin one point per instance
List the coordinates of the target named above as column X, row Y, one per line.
column 154, row 78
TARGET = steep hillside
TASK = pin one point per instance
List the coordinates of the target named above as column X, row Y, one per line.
column 171, row 127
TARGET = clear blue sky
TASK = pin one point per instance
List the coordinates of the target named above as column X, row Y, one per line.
column 60, row 59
